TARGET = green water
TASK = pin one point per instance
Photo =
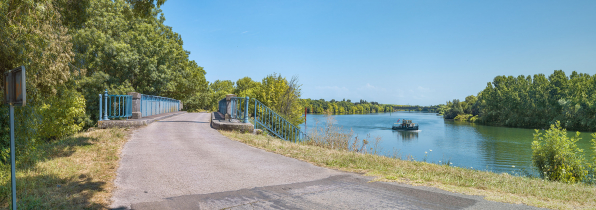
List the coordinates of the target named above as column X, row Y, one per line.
column 496, row 149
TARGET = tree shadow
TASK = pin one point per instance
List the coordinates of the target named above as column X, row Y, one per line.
column 42, row 190
column 184, row 121
column 52, row 192
column 58, row 149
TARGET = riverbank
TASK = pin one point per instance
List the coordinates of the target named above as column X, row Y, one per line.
column 496, row 187
column 76, row 172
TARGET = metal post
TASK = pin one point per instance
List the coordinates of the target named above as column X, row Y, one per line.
column 255, row 114
column 99, row 108
column 105, row 98
column 246, row 109
column 13, row 178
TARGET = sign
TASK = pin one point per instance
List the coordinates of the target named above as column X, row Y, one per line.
column 15, row 91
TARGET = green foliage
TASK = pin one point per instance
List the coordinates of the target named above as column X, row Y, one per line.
column 60, row 116
column 533, row 102
column 473, row 119
column 557, row 157
column 95, row 84
column 463, row 117
column 217, row 91
column 455, row 108
column 74, row 50
column 282, row 96
column 138, row 50
column 591, row 178
column 538, row 102
column 363, row 107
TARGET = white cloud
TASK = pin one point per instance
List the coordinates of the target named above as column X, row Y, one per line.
column 368, row 86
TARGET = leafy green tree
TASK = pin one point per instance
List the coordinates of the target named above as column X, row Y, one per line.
column 137, row 50
column 557, row 157
column 534, row 102
column 283, row 96
column 247, row 87
column 218, row 91
column 34, row 36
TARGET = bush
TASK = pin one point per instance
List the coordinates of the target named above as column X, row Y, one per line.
column 463, row 117
column 473, row 119
column 60, row 115
column 557, row 157
column 591, row 178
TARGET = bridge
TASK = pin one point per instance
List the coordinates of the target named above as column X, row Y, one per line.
column 135, row 109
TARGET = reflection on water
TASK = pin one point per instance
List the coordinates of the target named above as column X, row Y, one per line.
column 406, row 135
column 497, row 149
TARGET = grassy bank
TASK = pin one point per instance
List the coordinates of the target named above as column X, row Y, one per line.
column 76, row 172
column 495, row 187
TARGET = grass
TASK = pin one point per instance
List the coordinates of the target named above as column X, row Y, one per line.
column 495, row 187
column 76, row 172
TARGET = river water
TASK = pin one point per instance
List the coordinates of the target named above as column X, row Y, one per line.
column 462, row 144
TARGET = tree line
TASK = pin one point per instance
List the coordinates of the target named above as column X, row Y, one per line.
column 361, row 107
column 531, row 102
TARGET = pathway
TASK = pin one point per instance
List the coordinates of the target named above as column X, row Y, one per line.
column 182, row 163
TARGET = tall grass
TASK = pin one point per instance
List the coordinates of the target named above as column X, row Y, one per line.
column 75, row 172
column 328, row 135
column 496, row 187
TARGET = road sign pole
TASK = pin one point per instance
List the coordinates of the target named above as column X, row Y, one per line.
column 12, row 160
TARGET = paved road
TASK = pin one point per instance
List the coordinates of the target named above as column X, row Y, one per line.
column 181, row 163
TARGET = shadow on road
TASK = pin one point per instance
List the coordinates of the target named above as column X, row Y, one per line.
column 184, row 121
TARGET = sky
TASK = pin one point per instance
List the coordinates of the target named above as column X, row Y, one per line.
column 391, row 52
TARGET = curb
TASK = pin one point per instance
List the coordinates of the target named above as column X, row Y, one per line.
column 219, row 124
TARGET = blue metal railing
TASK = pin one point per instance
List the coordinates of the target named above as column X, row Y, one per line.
column 237, row 104
column 222, row 106
column 152, row 105
column 115, row 106
column 265, row 118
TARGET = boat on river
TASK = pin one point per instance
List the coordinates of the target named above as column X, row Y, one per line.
column 405, row 125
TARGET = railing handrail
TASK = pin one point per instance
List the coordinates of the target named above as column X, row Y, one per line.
column 264, row 117
column 284, row 126
column 121, row 106
column 153, row 105
column 236, row 107
column 116, row 106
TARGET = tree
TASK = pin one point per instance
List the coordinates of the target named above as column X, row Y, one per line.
column 282, row 96
column 136, row 50
column 557, row 157
column 218, row 91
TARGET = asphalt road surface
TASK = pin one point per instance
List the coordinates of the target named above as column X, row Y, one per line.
column 182, row 163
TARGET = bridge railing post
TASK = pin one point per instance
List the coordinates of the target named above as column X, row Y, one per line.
column 246, row 99
column 100, row 115
column 106, row 108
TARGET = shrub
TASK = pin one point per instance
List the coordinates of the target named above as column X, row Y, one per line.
column 60, row 114
column 463, row 117
column 591, row 177
column 557, row 157
column 473, row 119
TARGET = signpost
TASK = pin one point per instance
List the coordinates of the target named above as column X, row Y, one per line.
column 15, row 94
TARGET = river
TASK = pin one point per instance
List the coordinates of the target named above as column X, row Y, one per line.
column 462, row 144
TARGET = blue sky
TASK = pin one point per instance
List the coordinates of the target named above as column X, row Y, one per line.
column 393, row 52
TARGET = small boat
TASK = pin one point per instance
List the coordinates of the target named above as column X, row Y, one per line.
column 405, row 125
